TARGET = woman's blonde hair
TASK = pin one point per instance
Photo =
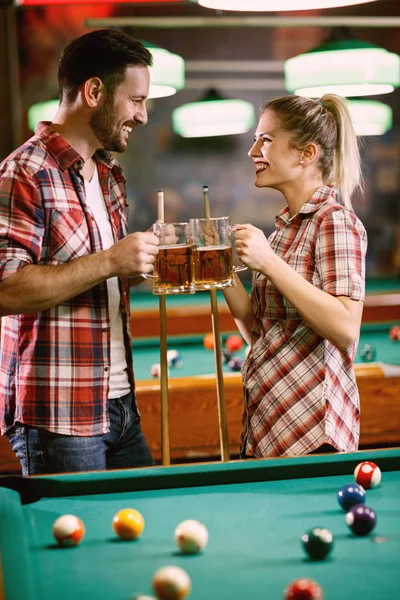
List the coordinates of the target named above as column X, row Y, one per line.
column 327, row 123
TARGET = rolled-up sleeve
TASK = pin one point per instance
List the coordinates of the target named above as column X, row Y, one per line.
column 21, row 220
column 340, row 255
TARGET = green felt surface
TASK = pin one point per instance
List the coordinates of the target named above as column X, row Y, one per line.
column 142, row 298
column 255, row 512
column 196, row 360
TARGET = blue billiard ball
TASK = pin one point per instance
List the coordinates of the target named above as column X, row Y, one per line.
column 351, row 494
column 174, row 358
column 361, row 519
column 226, row 355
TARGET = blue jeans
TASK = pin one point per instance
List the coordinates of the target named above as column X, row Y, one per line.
column 41, row 452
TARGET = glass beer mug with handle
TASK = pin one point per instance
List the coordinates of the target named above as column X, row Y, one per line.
column 212, row 253
column 173, row 268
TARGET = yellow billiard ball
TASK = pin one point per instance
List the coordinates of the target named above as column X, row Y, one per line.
column 128, row 524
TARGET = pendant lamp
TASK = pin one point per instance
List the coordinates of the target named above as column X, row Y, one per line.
column 167, row 75
column 370, row 117
column 42, row 111
column 276, row 5
column 213, row 116
column 347, row 67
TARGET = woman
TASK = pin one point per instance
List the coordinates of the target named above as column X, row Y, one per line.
column 303, row 318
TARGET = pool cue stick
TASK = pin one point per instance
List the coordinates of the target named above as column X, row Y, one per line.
column 165, row 446
column 223, row 423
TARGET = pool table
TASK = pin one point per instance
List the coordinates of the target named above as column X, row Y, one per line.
column 255, row 512
column 193, row 399
column 191, row 314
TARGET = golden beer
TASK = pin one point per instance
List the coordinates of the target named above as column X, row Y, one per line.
column 212, row 267
column 173, row 270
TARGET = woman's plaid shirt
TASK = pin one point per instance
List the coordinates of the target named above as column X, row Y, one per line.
column 300, row 389
column 54, row 364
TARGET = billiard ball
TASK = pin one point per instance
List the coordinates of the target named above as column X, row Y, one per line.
column 317, row 542
column 367, row 474
column 128, row 524
column 155, row 371
column 171, row 583
column 226, row 355
column 68, row 530
column 394, row 333
column 191, row 536
column 361, row 519
column 174, row 358
column 350, row 494
column 235, row 364
column 208, row 341
column 234, row 343
column 303, row 589
column 368, row 353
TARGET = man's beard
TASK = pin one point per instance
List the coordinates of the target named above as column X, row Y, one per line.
column 103, row 126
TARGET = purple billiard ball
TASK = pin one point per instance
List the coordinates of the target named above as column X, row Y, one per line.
column 351, row 494
column 361, row 519
column 235, row 364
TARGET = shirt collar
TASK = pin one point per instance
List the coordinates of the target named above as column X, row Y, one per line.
column 322, row 195
column 63, row 153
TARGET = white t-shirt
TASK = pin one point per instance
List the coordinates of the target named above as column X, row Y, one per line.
column 119, row 382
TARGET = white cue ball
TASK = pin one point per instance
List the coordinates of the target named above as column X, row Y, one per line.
column 171, row 583
column 191, row 536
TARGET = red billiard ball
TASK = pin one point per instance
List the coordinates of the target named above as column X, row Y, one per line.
column 367, row 474
column 394, row 333
column 303, row 589
column 234, row 343
column 68, row 530
column 208, row 341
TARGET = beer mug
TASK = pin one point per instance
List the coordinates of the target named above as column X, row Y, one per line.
column 173, row 268
column 212, row 253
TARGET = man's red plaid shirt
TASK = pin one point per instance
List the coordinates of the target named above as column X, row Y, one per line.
column 54, row 364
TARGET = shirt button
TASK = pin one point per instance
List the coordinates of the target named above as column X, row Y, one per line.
column 104, row 330
column 106, row 368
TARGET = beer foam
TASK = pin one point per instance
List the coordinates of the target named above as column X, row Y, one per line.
column 205, row 248
column 174, row 247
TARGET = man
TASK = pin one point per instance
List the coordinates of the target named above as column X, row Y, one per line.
column 66, row 376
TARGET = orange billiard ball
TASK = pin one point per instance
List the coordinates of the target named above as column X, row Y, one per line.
column 208, row 341
column 68, row 530
column 128, row 524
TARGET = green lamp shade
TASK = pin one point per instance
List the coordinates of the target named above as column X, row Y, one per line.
column 345, row 67
column 42, row 111
column 276, row 5
column 370, row 117
column 213, row 117
column 167, row 75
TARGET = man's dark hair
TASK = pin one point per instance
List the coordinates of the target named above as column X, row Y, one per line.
column 104, row 53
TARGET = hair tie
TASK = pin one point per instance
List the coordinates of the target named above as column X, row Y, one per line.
column 320, row 103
